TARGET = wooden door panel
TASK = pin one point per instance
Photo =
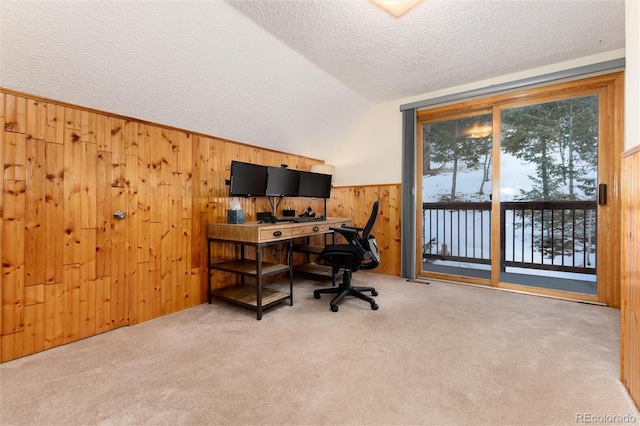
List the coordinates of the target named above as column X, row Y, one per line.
column 35, row 237
column 13, row 264
column 71, row 303
column 34, row 319
column 87, row 313
column 103, row 215
column 119, row 248
column 54, row 213
column 103, row 304
column 72, row 204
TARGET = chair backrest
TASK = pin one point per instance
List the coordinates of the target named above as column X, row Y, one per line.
column 372, row 220
column 369, row 241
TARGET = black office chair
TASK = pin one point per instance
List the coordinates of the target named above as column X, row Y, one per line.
column 361, row 252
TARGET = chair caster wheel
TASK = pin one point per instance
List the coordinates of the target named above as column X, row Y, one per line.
column 334, row 308
column 374, row 306
column 316, row 295
column 374, row 293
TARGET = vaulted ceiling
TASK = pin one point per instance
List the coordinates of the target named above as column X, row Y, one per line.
column 292, row 75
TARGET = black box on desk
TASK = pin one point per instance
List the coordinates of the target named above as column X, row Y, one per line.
column 235, row 216
column 289, row 213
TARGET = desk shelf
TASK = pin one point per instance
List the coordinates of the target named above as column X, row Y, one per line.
column 249, row 267
column 255, row 296
column 245, row 295
column 311, row 268
column 308, row 248
column 316, row 270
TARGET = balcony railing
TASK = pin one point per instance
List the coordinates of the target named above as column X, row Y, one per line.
column 549, row 235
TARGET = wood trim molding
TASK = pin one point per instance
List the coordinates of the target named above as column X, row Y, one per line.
column 631, row 151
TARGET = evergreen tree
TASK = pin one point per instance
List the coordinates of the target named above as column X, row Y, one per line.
column 448, row 147
column 561, row 139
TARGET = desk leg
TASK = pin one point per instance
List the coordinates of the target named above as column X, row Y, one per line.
column 259, row 284
column 290, row 263
column 209, row 270
column 241, row 258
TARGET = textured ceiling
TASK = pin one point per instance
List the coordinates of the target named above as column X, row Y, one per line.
column 291, row 75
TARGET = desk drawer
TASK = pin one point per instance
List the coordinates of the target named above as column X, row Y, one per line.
column 272, row 233
column 275, row 232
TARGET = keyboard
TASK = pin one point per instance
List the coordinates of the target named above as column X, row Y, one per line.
column 300, row 219
column 308, row 219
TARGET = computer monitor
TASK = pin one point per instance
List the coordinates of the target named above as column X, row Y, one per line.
column 282, row 182
column 317, row 185
column 247, row 180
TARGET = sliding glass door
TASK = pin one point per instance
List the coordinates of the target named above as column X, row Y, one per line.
column 548, row 188
column 455, row 194
column 518, row 191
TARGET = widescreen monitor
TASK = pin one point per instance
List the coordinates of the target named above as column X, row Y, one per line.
column 282, row 182
column 247, row 180
column 316, row 185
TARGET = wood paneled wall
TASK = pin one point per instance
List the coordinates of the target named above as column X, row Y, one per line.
column 630, row 308
column 356, row 203
column 71, row 270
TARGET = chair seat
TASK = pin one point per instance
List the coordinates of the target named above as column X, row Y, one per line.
column 341, row 255
column 339, row 249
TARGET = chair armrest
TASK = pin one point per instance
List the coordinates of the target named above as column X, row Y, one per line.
column 352, row 227
column 345, row 229
column 348, row 233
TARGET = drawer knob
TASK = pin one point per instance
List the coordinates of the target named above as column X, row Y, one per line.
column 277, row 233
column 316, row 229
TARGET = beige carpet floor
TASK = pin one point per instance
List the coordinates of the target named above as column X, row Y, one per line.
column 437, row 354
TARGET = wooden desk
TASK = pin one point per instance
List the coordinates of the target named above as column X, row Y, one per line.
column 259, row 235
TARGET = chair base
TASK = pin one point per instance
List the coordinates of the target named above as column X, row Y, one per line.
column 345, row 289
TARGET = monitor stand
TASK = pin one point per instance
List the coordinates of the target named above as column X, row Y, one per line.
column 274, row 202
